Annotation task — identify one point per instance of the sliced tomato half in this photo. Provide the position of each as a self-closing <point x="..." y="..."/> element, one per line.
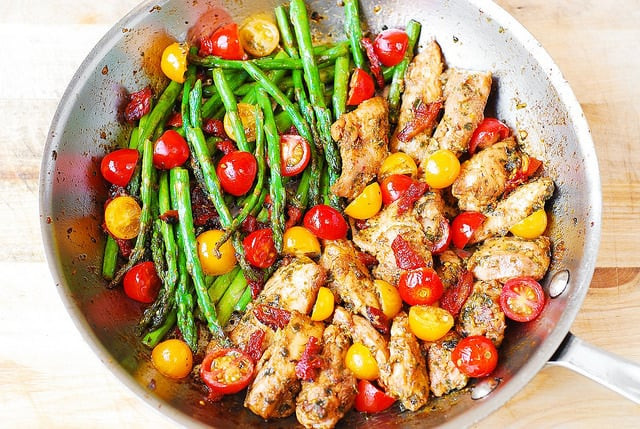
<point x="295" y="154"/>
<point x="227" y="371"/>
<point x="522" y="299"/>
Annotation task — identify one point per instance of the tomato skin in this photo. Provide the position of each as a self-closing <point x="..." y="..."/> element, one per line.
<point x="441" y="169"/>
<point x="174" y="62"/>
<point x="367" y="204"/>
<point x="295" y="154"/>
<point x="172" y="358"/>
<point x="259" y="248"/>
<point x="122" y="217"/>
<point x="361" y="362"/>
<point x="118" y="166"/>
<point x="463" y="227"/>
<point x="533" y="226"/>
<point x="233" y="362"/>
<point x="323" y="308"/>
<point x="475" y="356"/>
<point x="170" y="150"/>
<point x="370" y="399"/>
<point x="421" y="286"/>
<point x="390" y="299"/>
<point x="392" y="187"/>
<point x="224" y="43"/>
<point x="390" y="46"/>
<point x="326" y="222"/>
<point x="236" y="171"/>
<point x="141" y="283"/>
<point x="429" y="323"/>
<point x="489" y="131"/>
<point x="361" y="87"/>
<point x="522" y="299"/>
<point x="259" y="36"/>
<point x="298" y="240"/>
<point x="398" y="163"/>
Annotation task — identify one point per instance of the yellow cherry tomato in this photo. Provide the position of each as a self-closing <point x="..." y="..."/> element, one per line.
<point x="389" y="298"/>
<point x="323" y="307"/>
<point x="122" y="217"/>
<point x="246" y="113"/>
<point x="259" y="35"/>
<point x="172" y="358"/>
<point x="299" y="241"/>
<point x="441" y="169"/>
<point x="429" y="323"/>
<point x="361" y="363"/>
<point x="398" y="163"/>
<point x="174" y="61"/>
<point x="211" y="264"/>
<point x="532" y="226"/>
<point x="367" y="204"/>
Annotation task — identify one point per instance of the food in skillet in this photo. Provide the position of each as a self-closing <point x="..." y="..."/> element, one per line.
<point x="330" y="226"/>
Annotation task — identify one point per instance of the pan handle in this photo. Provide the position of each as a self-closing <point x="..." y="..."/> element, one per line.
<point x="616" y="373"/>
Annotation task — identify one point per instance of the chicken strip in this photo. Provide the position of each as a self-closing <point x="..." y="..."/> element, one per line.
<point x="429" y="211"/>
<point x="363" y="136"/>
<point x="449" y="268"/>
<point x="502" y="258"/>
<point x="273" y="392"/>
<point x="407" y="380"/>
<point x="444" y="375"/>
<point x="324" y="401"/>
<point x="481" y="313"/>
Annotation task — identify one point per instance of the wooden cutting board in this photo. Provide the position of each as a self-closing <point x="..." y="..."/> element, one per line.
<point x="51" y="378"/>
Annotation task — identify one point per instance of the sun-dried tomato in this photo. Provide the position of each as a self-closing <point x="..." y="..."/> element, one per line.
<point x="454" y="298"/>
<point x="424" y="116"/>
<point x="256" y="287"/>
<point x="310" y="361"/>
<point x="273" y="317"/>
<point x="294" y="215"/>
<point x="203" y="209"/>
<point x="175" y="120"/>
<point x="293" y="130"/>
<point x="406" y="257"/>
<point x="226" y="146"/>
<point x="249" y="225"/>
<point x="374" y="62"/>
<point x="214" y="127"/>
<point x="367" y="259"/>
<point x="411" y="195"/>
<point x="361" y="224"/>
<point x="139" y="104"/>
<point x="522" y="175"/>
<point x="126" y="247"/>
<point x="378" y="320"/>
<point x="170" y="216"/>
<point x="253" y="348"/>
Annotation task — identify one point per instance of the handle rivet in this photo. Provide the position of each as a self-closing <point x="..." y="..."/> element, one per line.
<point x="558" y="283"/>
<point x="484" y="387"/>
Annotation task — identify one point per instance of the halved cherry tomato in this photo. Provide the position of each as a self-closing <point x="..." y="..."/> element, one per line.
<point x="463" y="227"/>
<point x="437" y="247"/>
<point x="211" y="264"/>
<point x="174" y="62"/>
<point x="361" y="362"/>
<point x="429" y="323"/>
<point x="489" y="131"/>
<point x="246" y="112"/>
<point x="259" y="248"/>
<point x="172" y="358"/>
<point x="441" y="169"/>
<point x="390" y="46"/>
<point x="421" y="286"/>
<point x="398" y="163"/>
<point x="259" y="35"/>
<point x="522" y="299"/>
<point x="122" y="217"/>
<point x="475" y="356"/>
<point x="295" y="154"/>
<point x="298" y="240"/>
<point x="392" y="187"/>
<point x="528" y="167"/>
<point x="236" y="172"/>
<point x="532" y="226"/>
<point x="370" y="399"/>
<point x="142" y="283"/>
<point x="326" y="222"/>
<point x="367" y="204"/>
<point x="390" y="299"/>
<point x="227" y="371"/>
<point x="170" y="150"/>
<point x="454" y="298"/>
<point x="224" y="42"/>
<point x="323" y="308"/>
<point x="118" y="166"/>
<point x="361" y="87"/>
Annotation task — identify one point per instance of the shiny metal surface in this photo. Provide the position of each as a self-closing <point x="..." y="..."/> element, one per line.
<point x="529" y="93"/>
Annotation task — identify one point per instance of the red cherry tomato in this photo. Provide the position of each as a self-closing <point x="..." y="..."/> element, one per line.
<point x="259" y="248"/>
<point x="361" y="87"/>
<point x="489" y="131"/>
<point x="142" y="283"/>
<point x="390" y="46"/>
<point x="475" y="356"/>
<point x="227" y="371"/>
<point x="454" y="298"/>
<point x="421" y="286"/>
<point x="118" y="166"/>
<point x="370" y="399"/>
<point x="170" y="150"/>
<point x="463" y="227"/>
<point x="224" y="42"/>
<point x="295" y="154"/>
<point x="522" y="299"/>
<point x="393" y="187"/>
<point x="236" y="172"/>
<point x="326" y="222"/>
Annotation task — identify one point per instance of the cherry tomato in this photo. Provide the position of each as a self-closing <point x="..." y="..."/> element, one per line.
<point x="118" y="166"/>
<point x="259" y="35"/>
<point x="522" y="299"/>
<point x="298" y="240"/>
<point x="421" y="286"/>
<point x="367" y="204"/>
<point x="295" y="154"/>
<point x="392" y="187"/>
<point x="236" y="172"/>
<point x="429" y="323"/>
<point x="463" y="227"/>
<point x="370" y="399"/>
<point x="398" y="163"/>
<point x="441" y="169"/>
<point x="122" y="217"/>
<point x="390" y="299"/>
<point x="323" y="308"/>
<point x="142" y="283"/>
<point x="172" y="358"/>
<point x="174" y="62"/>
<point x="390" y="46"/>
<point x="532" y="226"/>
<point x="361" y="87"/>
<point x="211" y="264"/>
<point x="489" y="131"/>
<point x="246" y="112"/>
<point x="361" y="362"/>
<point x="224" y="43"/>
<point x="326" y="222"/>
<point x="475" y="356"/>
<point x="227" y="371"/>
<point x="259" y="248"/>
<point x="170" y="150"/>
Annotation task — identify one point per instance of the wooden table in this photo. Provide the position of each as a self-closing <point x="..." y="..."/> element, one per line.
<point x="49" y="377"/>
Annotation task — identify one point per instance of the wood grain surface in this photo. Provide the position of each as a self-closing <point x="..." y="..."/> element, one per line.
<point x="49" y="376"/>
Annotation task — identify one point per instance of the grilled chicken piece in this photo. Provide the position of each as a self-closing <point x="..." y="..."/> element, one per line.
<point x="450" y="268"/>
<point x="324" y="401"/>
<point x="502" y="258"/>
<point x="407" y="380"/>
<point x="483" y="178"/>
<point x="465" y="95"/>
<point x="429" y="211"/>
<point x="363" y="136"/>
<point x="422" y="84"/>
<point x="519" y="204"/>
<point x="444" y="375"/>
<point x="273" y="392"/>
<point x="481" y="313"/>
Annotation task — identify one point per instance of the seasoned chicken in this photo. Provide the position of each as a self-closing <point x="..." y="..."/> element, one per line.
<point x="429" y="211"/>
<point x="444" y="375"/>
<point x="273" y="392"/>
<point x="422" y="85"/>
<point x="449" y="268"/>
<point x="483" y="177"/>
<point x="502" y="258"/>
<point x="407" y="381"/>
<point x="519" y="204"/>
<point x="324" y="401"/>
<point x="481" y="313"/>
<point x="363" y="136"/>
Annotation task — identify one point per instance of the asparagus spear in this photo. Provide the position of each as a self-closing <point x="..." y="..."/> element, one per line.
<point x="230" y="298"/>
<point x="221" y="284"/>
<point x="397" y="84"/>
<point x="154" y="337"/>
<point x="211" y="106"/>
<point x="231" y="107"/>
<point x="340" y="86"/>
<point x="354" y="31"/>
<point x="183" y="294"/>
<point x="110" y="258"/>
